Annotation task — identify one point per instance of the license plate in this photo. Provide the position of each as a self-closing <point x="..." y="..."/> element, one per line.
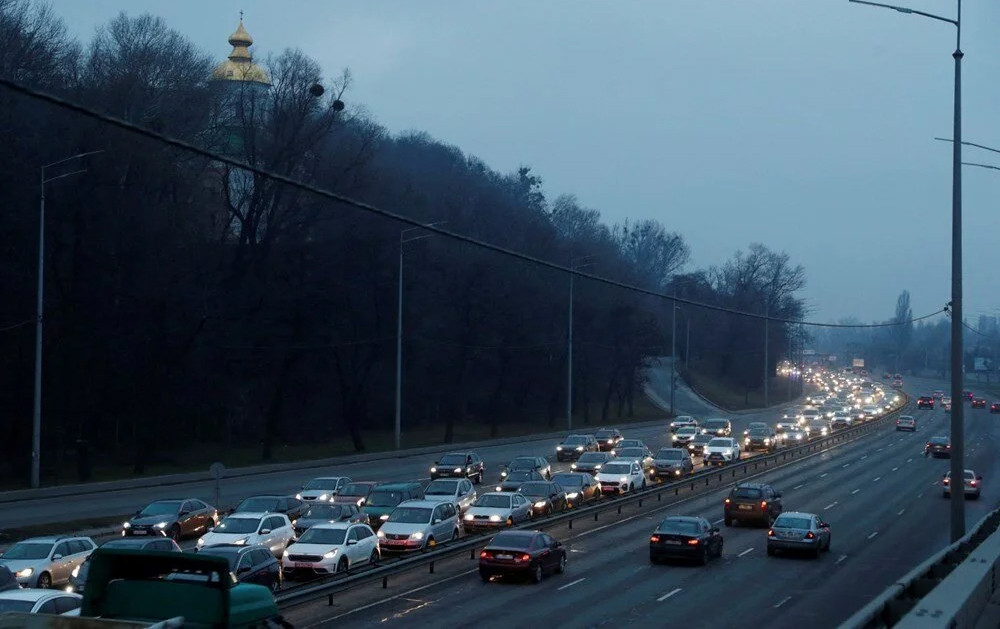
<point x="299" y="564"/>
<point x="505" y="556"/>
<point x="139" y="532"/>
<point x="395" y="542"/>
<point x="673" y="542"/>
<point x="746" y="507"/>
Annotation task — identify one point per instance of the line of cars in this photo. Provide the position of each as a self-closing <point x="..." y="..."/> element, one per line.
<point x="928" y="402"/>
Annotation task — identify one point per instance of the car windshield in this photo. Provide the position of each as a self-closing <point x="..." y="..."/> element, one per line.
<point x="939" y="440"/>
<point x="125" y="543"/>
<point x="632" y="453"/>
<point x="617" y="468"/>
<point x="605" y="434"/>
<point x="575" y="441"/>
<point x="688" y="430"/>
<point x="7" y="605"/>
<point x="332" y="537"/>
<point x="746" y="492"/>
<point x="969" y="475"/>
<point x="258" y="505"/>
<point x="225" y="553"/>
<point x="493" y="501"/>
<point x="680" y="527"/>
<point x="720" y="443"/>
<point x="791" y="522"/>
<point x="167" y="507"/>
<point x="351" y="490"/>
<point x="703" y="438"/>
<point x="715" y="424"/>
<point x="568" y="480"/>
<point x="511" y="540"/>
<point x="593" y="457"/>
<point x="670" y="454"/>
<point x="324" y="512"/>
<point x="760" y="432"/>
<point x="522" y="464"/>
<point x="452" y="459"/>
<point x="238" y="526"/>
<point x="521" y="475"/>
<point x="410" y="515"/>
<point x="381" y="498"/>
<point x="535" y="489"/>
<point x="320" y="483"/>
<point x="28" y="550"/>
<point x="442" y="488"/>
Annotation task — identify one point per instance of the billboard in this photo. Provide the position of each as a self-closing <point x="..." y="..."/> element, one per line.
<point x="858" y="362"/>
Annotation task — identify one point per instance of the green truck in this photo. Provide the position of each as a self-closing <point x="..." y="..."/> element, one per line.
<point x="129" y="589"/>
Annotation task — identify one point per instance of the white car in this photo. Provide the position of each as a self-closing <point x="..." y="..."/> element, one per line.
<point x="458" y="491"/>
<point x="39" y="601"/>
<point x="620" y="477"/>
<point x="419" y="525"/>
<point x="871" y="411"/>
<point x="331" y="548"/>
<point x="721" y="451"/>
<point x="684" y="435"/>
<point x="972" y="484"/>
<point x="495" y="510"/>
<point x="683" y="421"/>
<point x="323" y="488"/>
<point x="273" y="530"/>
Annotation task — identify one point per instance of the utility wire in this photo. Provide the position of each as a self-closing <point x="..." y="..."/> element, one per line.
<point x="14" y="326"/>
<point x="371" y="209"/>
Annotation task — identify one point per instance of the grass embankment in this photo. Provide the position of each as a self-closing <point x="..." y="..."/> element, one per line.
<point x="733" y="398"/>
<point x="199" y="456"/>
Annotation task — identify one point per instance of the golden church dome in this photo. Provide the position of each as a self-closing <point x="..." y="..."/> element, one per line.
<point x="240" y="65"/>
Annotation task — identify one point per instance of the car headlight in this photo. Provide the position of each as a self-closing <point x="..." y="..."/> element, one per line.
<point x="76" y="571"/>
<point x="624" y="479"/>
<point x="579" y="448"/>
<point x="433" y="469"/>
<point x="572" y="466"/>
<point x="162" y="525"/>
<point x="126" y="525"/>
<point x="417" y="535"/>
<point x="747" y="441"/>
<point x="468" y="517"/>
<point x="503" y="474"/>
<point x="298" y="496"/>
<point x="767" y="441"/>
<point x="361" y="501"/>
<point x="495" y="518"/>
<point x="240" y="542"/>
<point x="323" y="496"/>
<point x="200" y="542"/>
<point x="598" y="466"/>
<point x="285" y="554"/>
<point x="499" y="488"/>
<point x="674" y="437"/>
<point x="677" y="472"/>
<point x="573" y="495"/>
<point x="380" y="534"/>
<point x="384" y="517"/>
<point x="330" y="555"/>
<point x="558" y="448"/>
<point x="458" y="470"/>
<point x="27" y="572"/>
<point x="540" y="504"/>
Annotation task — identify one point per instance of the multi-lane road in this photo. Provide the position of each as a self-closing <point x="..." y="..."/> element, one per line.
<point x="881" y="496"/>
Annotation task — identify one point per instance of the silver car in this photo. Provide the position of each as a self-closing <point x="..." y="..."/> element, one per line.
<point x="41" y="562"/>
<point x="799" y="531"/>
<point x="458" y="491"/>
<point x="419" y="525"/>
<point x="671" y="463"/>
<point x="497" y="510"/>
<point x="39" y="602"/>
<point x="322" y="489"/>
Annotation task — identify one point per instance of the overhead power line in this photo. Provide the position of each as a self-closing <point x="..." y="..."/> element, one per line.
<point x="14" y="326"/>
<point x="184" y="145"/>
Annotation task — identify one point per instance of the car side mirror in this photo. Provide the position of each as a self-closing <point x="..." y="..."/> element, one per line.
<point x="57" y="556"/>
<point x="265" y="531"/>
<point x="556" y="544"/>
<point x="352" y="542"/>
<point x="824" y="526"/>
<point x="979" y="477"/>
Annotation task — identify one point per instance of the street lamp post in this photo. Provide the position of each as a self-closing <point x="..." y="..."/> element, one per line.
<point x="36" y="419"/>
<point x="399" y="329"/>
<point x="957" y="411"/>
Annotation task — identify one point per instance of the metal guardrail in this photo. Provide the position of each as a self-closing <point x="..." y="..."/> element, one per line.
<point x="916" y="595"/>
<point x="329" y="586"/>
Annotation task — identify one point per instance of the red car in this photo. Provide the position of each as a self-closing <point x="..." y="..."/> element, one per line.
<point x="979" y="403"/>
<point x="995" y="407"/>
<point x="925" y="401"/>
<point x="968" y="395"/>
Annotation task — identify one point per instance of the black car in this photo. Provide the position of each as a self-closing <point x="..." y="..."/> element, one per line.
<point x="321" y="513"/>
<point x="289" y="505"/>
<point x="521" y="553"/>
<point x="995" y="407"/>
<point x="938" y="447"/>
<point x="608" y="439"/>
<point x="527" y="463"/>
<point x="570" y="448"/>
<point x="579" y="487"/>
<point x="249" y="564"/>
<point x="925" y="401"/>
<point x="8" y="580"/>
<point x="685" y="537"/>
<point x="459" y="465"/>
<point x="172" y="518"/>
<point x="545" y="497"/>
<point x="697" y="445"/>
<point x="763" y="439"/>
<point x="752" y="502"/>
<point x="513" y="480"/>
<point x="979" y="402"/>
<point x="78" y="578"/>
<point x="592" y="462"/>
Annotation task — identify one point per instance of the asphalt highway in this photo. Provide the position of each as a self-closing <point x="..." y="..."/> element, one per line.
<point x="881" y="496"/>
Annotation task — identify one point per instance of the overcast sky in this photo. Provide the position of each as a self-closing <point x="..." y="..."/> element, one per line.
<point x="806" y="125"/>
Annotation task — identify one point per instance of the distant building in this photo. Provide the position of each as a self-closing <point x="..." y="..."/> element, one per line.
<point x="987" y="325"/>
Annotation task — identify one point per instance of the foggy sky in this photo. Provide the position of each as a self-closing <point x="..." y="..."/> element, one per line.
<point x="806" y="125"/>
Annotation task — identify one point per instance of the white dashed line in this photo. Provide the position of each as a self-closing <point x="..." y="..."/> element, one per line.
<point x="799" y="486"/>
<point x="855" y="491"/>
<point x="901" y="512"/>
<point x="840" y="560"/>
<point x="719" y="521"/>
<point x="668" y="595"/>
<point x="745" y="552"/>
<point x="864" y="457"/>
<point x="894" y="469"/>
<point x="908" y="460"/>
<point x="572" y="583"/>
<point x="783" y="601"/>
<point x="830" y="506"/>
<point x="876" y="479"/>
<point x="879" y="450"/>
<point x="823" y="474"/>
<point x="846" y="465"/>
<point x="873" y="535"/>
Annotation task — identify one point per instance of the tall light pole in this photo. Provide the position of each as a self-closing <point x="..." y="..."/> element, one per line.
<point x="399" y="329"/>
<point x="36" y="419"/>
<point x="575" y="263"/>
<point x="957" y="411"/>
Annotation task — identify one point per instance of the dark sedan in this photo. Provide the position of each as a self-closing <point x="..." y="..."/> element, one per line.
<point x="573" y="446"/>
<point x="995" y="407"/>
<point x="78" y="578"/>
<point x="608" y="439"/>
<point x="685" y="537"/>
<point x="8" y="580"/>
<point x="697" y="445"/>
<point x="545" y="497"/>
<point x="580" y="488"/>
<point x="513" y="480"/>
<point x="925" y="401"/>
<point x="459" y="465"/>
<point x="325" y="513"/>
<point x="355" y="493"/>
<point x="938" y="447"/>
<point x="172" y="518"/>
<point x="531" y="463"/>
<point x="979" y="402"/>
<point x="522" y="553"/>
<point x="592" y="462"/>
<point x="289" y="505"/>
<point x="249" y="564"/>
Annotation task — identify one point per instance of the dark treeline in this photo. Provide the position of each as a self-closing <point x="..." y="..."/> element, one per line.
<point x="188" y="302"/>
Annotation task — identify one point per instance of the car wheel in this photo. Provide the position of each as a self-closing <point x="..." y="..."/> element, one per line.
<point x="631" y="487"/>
<point x="643" y="483"/>
<point x="718" y="553"/>
<point x="562" y="565"/>
<point x="342" y="565"/>
<point x="510" y="521"/>
<point x="703" y="558"/>
<point x="456" y="534"/>
<point x="44" y="581"/>
<point x="817" y="550"/>
<point x="728" y="521"/>
<point x="770" y="551"/>
<point x="479" y="478"/>
<point x="947" y="494"/>
<point x="829" y="540"/>
<point x="429" y="544"/>
<point x="175" y="533"/>
<point x="485" y="576"/>
<point x="373" y="560"/>
<point x="276" y="585"/>
<point x="536" y="574"/>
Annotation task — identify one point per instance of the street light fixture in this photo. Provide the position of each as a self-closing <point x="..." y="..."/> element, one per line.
<point x="36" y="419"/>
<point x="957" y="411"/>
<point x="399" y="326"/>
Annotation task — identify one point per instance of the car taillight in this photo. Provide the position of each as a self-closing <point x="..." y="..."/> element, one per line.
<point x="727" y="501"/>
<point x="972" y="483"/>
<point x="763" y="504"/>
<point x="810" y="535"/>
<point x="946" y="481"/>
<point x="770" y="532"/>
<point x="692" y="542"/>
<point x="485" y="554"/>
<point x="523" y="557"/>
<point x="655" y="539"/>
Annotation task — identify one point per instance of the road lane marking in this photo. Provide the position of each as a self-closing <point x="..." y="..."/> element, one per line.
<point x="783" y="601"/>
<point x="873" y="535"/>
<point x="879" y="450"/>
<point x="846" y="465"/>
<point x="908" y="460"/>
<point x="572" y="583"/>
<point x="894" y="469"/>
<point x="901" y="512"/>
<point x="830" y="506"/>
<point x="920" y="495"/>
<point x="855" y="491"/>
<point x="799" y="486"/>
<point x="668" y="595"/>
<point x="719" y="521"/>
<point x="823" y="474"/>
<point x="876" y="479"/>
<point x="864" y="457"/>
<point x="745" y="552"/>
<point x="839" y="560"/>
